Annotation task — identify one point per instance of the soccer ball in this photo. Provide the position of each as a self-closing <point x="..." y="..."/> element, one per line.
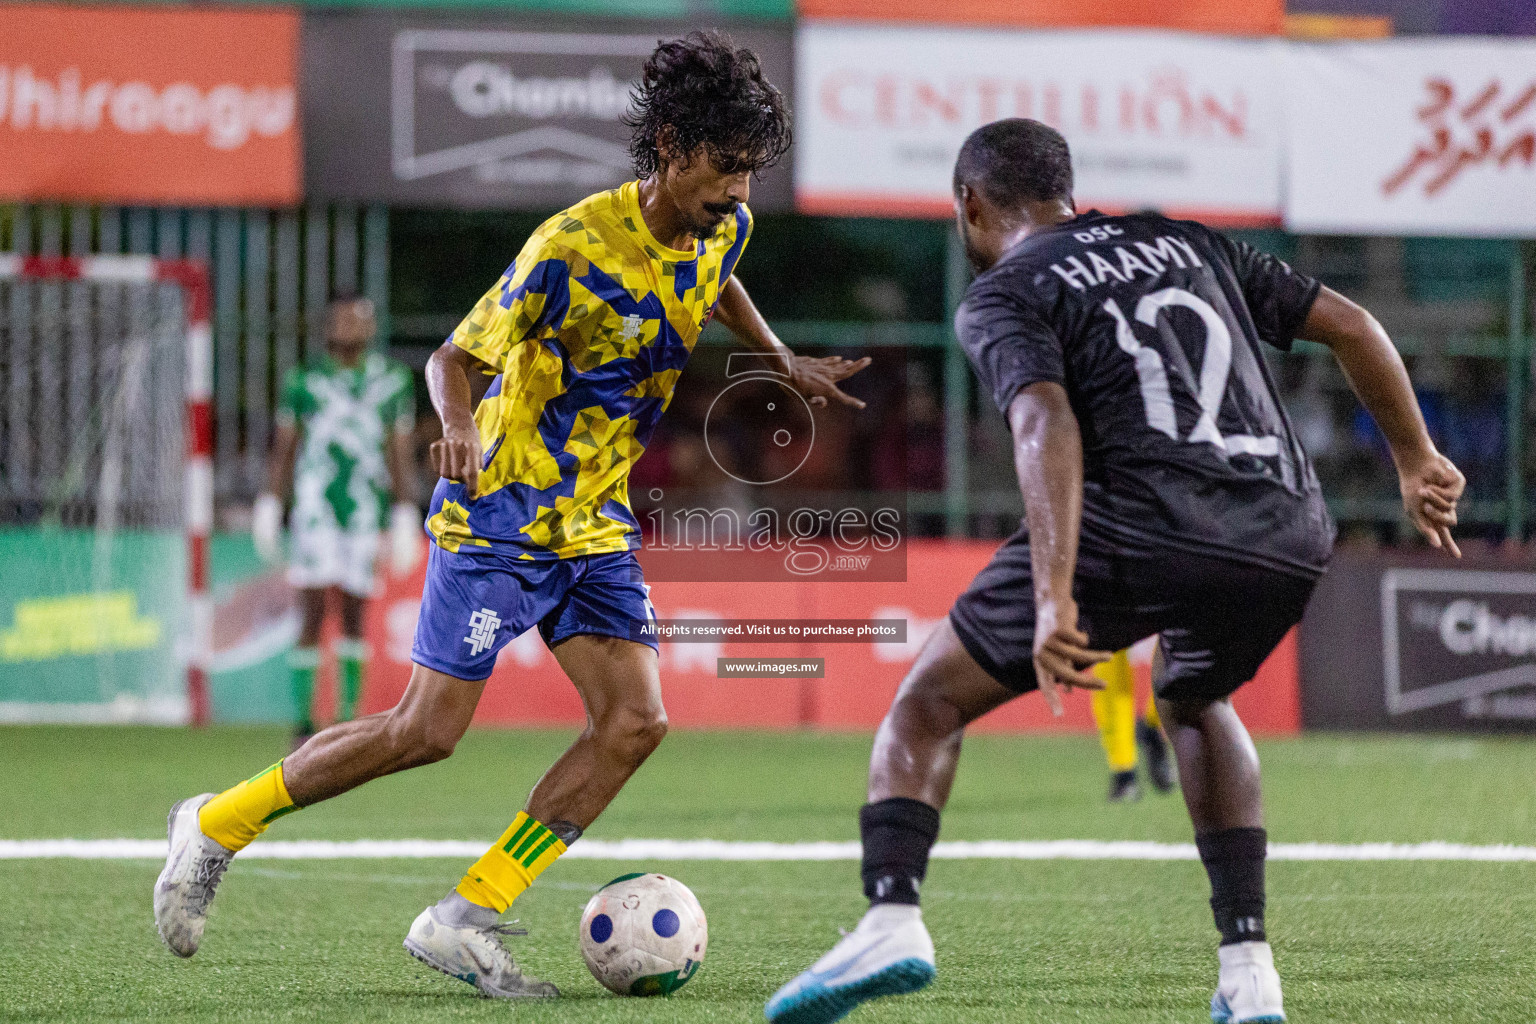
<point x="643" y="935"/>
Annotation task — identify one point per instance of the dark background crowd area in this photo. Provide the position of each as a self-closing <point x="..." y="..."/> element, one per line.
<point x="878" y="287"/>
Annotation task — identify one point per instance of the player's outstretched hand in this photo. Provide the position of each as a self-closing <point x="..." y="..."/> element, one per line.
<point x="456" y="456"/>
<point x="817" y="378"/>
<point x="1431" y="489"/>
<point x="1062" y="654"/>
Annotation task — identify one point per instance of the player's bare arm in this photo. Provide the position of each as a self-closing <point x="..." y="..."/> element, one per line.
<point x="456" y="455"/>
<point x="1048" y="454"/>
<point x="1430" y="484"/>
<point x="285" y="447"/>
<point x="817" y="378"/>
<point x="399" y="455"/>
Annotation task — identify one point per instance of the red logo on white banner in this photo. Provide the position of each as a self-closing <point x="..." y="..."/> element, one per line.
<point x="1496" y="128"/>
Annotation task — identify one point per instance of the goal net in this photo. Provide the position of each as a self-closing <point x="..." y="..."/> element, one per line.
<point x="105" y="490"/>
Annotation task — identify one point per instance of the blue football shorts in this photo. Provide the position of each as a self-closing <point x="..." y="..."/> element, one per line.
<point x="474" y="605"/>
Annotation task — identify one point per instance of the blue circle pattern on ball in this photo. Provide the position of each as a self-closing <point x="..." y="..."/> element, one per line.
<point x="602" y="928"/>
<point x="665" y="922"/>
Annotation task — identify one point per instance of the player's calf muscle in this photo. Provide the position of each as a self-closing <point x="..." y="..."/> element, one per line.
<point x="591" y="772"/>
<point x="918" y="744"/>
<point x="621" y="740"/>
<point x="425" y="726"/>
<point x="918" y="766"/>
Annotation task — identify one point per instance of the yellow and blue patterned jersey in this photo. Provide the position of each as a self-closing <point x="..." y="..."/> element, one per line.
<point x="588" y="331"/>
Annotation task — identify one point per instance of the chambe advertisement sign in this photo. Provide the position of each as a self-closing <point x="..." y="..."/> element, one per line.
<point x="1396" y="640"/>
<point x="1461" y="643"/>
<point x="485" y="113"/>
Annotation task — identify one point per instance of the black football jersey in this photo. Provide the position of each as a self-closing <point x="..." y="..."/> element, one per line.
<point x="1153" y="327"/>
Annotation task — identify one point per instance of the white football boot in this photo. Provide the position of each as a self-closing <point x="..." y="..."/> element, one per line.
<point x="191" y="874"/>
<point x="475" y="956"/>
<point x="1248" y="989"/>
<point x="889" y="953"/>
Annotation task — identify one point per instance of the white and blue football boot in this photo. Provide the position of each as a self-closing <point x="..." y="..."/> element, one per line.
<point x="889" y="953"/>
<point x="1248" y="988"/>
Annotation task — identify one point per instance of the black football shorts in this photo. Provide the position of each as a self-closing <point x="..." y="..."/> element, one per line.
<point x="1218" y="618"/>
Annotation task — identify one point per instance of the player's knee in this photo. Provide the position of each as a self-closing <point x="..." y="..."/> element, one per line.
<point x="433" y="745"/>
<point x="418" y="739"/>
<point x="1188" y="714"/>
<point x="927" y="708"/>
<point x="633" y="732"/>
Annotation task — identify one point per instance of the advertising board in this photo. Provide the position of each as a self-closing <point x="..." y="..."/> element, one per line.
<point x="473" y="113"/>
<point x="1186" y="124"/>
<point x="1394" y="641"/>
<point x="149" y="105"/>
<point x="1412" y="136"/>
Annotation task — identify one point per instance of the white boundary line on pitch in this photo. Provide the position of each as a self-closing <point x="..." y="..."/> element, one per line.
<point x="723" y="850"/>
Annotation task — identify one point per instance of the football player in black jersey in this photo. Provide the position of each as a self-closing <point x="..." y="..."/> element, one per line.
<point x="1165" y="492"/>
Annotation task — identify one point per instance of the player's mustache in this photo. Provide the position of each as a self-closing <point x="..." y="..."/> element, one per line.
<point x="721" y="209"/>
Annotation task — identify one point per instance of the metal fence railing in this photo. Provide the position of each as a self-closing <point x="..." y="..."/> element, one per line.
<point x="272" y="271"/>
<point x="1458" y="310"/>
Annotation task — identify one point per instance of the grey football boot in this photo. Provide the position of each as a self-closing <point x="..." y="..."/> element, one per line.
<point x="192" y="872"/>
<point x="474" y="955"/>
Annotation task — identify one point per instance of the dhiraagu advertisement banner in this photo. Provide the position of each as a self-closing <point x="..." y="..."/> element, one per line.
<point x="90" y="626"/>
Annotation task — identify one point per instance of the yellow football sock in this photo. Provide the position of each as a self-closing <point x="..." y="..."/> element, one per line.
<point x="1114" y="708"/>
<point x="522" y="853"/>
<point x="236" y="816"/>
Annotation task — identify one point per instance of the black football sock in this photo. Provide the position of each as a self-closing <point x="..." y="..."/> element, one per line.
<point x="897" y="834"/>
<point x="1234" y="860"/>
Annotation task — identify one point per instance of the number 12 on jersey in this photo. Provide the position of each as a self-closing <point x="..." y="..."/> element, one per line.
<point x="1215" y="369"/>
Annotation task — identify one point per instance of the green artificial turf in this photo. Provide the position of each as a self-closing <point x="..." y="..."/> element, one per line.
<point x="1375" y="943"/>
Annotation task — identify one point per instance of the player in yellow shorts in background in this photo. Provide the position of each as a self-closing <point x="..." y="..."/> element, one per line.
<point x="1121" y="732"/>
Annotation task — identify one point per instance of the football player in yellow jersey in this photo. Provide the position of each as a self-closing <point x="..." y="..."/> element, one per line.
<point x="1122" y="732"/>
<point x="583" y="339"/>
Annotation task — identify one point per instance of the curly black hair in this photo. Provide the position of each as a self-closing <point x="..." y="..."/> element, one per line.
<point x="704" y="90"/>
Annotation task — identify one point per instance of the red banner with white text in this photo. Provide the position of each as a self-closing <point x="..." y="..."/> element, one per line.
<point x="149" y="105"/>
<point x="528" y="688"/>
<point x="1231" y="17"/>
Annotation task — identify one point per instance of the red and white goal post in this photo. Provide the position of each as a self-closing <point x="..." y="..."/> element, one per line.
<point x="196" y="518"/>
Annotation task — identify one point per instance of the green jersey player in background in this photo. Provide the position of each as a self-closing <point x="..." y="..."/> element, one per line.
<point x="349" y="419"/>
